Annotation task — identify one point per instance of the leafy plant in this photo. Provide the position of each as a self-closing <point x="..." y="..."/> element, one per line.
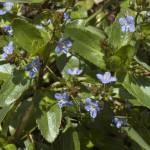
<point x="74" y="75"/>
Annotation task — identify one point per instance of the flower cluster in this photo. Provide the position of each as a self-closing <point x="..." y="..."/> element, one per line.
<point x="63" y="45"/>
<point x="74" y="71"/>
<point x="92" y="107"/>
<point x="33" y="68"/>
<point x="63" y="99"/>
<point x="106" y="78"/>
<point x="7" y="50"/>
<point x="119" y="122"/>
<point x="7" y="6"/>
<point x="127" y="24"/>
<point x="66" y="17"/>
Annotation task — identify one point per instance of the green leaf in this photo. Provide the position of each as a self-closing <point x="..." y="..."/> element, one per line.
<point x="14" y="85"/>
<point x="125" y="52"/>
<point x="10" y="147"/>
<point x="29" y="145"/>
<point x="68" y="141"/>
<point x="114" y="63"/>
<point x="29" y="37"/>
<point x="25" y="1"/>
<point x="137" y="138"/>
<point x="86" y="42"/>
<point x="49" y="123"/>
<point x="80" y="13"/>
<point x="4" y="111"/>
<point x="88" y="4"/>
<point x="122" y="57"/>
<point x="48" y="119"/>
<point x="145" y="29"/>
<point x="142" y="63"/>
<point x="138" y="87"/>
<point x="73" y="143"/>
<point x="24" y="117"/>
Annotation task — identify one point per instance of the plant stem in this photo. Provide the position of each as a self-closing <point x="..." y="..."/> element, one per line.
<point x="93" y="15"/>
<point x="52" y="73"/>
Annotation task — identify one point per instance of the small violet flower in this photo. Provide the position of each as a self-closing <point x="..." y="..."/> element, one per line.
<point x="127" y="24"/>
<point x="119" y="122"/>
<point x="8" y="29"/>
<point x="8" y="50"/>
<point x="106" y="78"/>
<point x="66" y="17"/>
<point x="33" y="68"/>
<point x="39" y="26"/>
<point x="74" y="71"/>
<point x="2" y="12"/>
<point x="63" y="99"/>
<point x="92" y="107"/>
<point x="63" y="45"/>
<point x="7" y="6"/>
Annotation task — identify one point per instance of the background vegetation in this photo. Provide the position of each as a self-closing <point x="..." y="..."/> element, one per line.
<point x="74" y="75"/>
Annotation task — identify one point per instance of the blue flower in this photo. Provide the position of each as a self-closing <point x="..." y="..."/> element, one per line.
<point x="39" y="26"/>
<point x="33" y="68"/>
<point x="2" y="12"/>
<point x="63" y="99"/>
<point x="8" y="29"/>
<point x="106" y="77"/>
<point x="148" y="13"/>
<point x="119" y="122"/>
<point x="8" y="50"/>
<point x="127" y="24"/>
<point x="92" y="107"/>
<point x="66" y="17"/>
<point x="74" y="71"/>
<point x="63" y="45"/>
<point x="7" y="6"/>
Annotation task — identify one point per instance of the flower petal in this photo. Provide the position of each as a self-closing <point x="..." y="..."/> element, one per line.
<point x="113" y="79"/>
<point x="87" y="107"/>
<point x="88" y="100"/>
<point x="130" y="19"/>
<point x="4" y="55"/>
<point x="69" y="71"/>
<point x="2" y="12"/>
<point x="65" y="96"/>
<point x="132" y="28"/>
<point x="122" y="21"/>
<point x="93" y="113"/>
<point x="58" y="49"/>
<point x="99" y="76"/>
<point x="8" y="5"/>
<point x="124" y="28"/>
<point x="58" y="96"/>
<point x="32" y="74"/>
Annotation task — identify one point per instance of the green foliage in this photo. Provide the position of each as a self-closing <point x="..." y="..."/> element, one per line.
<point x="28" y="37"/>
<point x="139" y="88"/>
<point x="48" y="119"/>
<point x="86" y="42"/>
<point x="137" y="138"/>
<point x="74" y="75"/>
